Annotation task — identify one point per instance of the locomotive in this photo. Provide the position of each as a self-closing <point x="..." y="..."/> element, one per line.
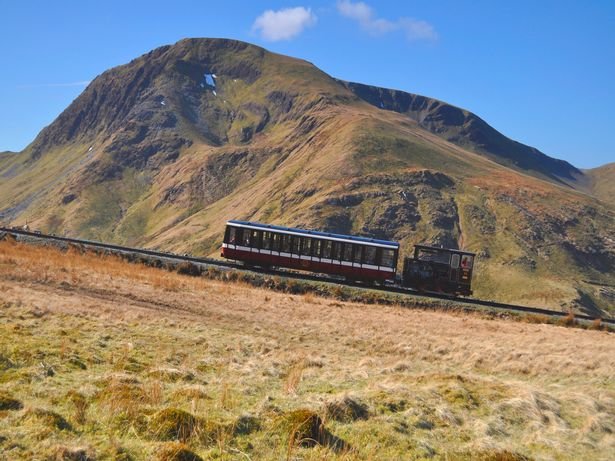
<point x="430" y="269"/>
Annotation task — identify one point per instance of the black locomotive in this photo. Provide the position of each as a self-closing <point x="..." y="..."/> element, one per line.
<point x="440" y="270"/>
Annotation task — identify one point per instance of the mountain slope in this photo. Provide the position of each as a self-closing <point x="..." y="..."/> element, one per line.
<point x="601" y="182"/>
<point x="465" y="129"/>
<point x="161" y="151"/>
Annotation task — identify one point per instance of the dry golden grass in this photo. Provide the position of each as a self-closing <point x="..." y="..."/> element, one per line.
<point x="98" y="350"/>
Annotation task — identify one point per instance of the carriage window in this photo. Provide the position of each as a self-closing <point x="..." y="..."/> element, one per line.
<point x="347" y="252"/>
<point x="256" y="238"/>
<point x="275" y="242"/>
<point x="326" y="249"/>
<point x="295" y="245"/>
<point x="388" y="258"/>
<point x="358" y="253"/>
<point x="266" y="240"/>
<point x="370" y="255"/>
<point x="230" y="234"/>
<point x="316" y="246"/>
<point x="305" y="245"/>
<point x="285" y="243"/>
<point x="337" y="251"/>
<point x="245" y="238"/>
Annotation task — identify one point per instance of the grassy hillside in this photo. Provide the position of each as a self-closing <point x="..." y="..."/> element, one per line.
<point x="101" y="359"/>
<point x="602" y="182"/>
<point x="160" y="152"/>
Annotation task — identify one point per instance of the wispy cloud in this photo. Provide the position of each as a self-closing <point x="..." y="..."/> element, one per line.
<point x="361" y="12"/>
<point x="284" y="24"/>
<point x="55" y="85"/>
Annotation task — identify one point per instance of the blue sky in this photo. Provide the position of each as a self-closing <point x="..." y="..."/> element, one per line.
<point x="541" y="72"/>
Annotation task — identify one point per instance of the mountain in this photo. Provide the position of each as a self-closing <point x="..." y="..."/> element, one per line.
<point x="160" y="152"/>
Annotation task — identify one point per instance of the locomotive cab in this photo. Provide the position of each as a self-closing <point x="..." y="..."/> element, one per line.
<point x="439" y="270"/>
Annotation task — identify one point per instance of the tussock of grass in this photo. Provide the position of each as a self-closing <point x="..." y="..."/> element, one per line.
<point x="80" y="404"/>
<point x="387" y="403"/>
<point x="173" y="424"/>
<point x="303" y="427"/>
<point x="74" y="454"/>
<point x="346" y="409"/>
<point x="171" y="374"/>
<point x="5" y="363"/>
<point x="176" y="452"/>
<point x="7" y="402"/>
<point x="48" y="418"/>
<point x="179" y="425"/>
<point x="192" y="391"/>
<point x="497" y="455"/>
<point x="123" y="398"/>
<point x="188" y="268"/>
<point x="247" y="424"/>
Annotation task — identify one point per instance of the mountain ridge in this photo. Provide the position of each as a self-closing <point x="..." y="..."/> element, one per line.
<point x="464" y="128"/>
<point x="161" y="151"/>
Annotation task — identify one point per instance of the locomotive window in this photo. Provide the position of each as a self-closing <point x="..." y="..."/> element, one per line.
<point x="370" y="255"/>
<point x="275" y="242"/>
<point x="388" y="257"/>
<point x="256" y="238"/>
<point x="436" y="256"/>
<point x="266" y="240"/>
<point x="326" y="249"/>
<point x="466" y="262"/>
<point x="285" y="243"/>
<point x="347" y="252"/>
<point x="358" y="253"/>
<point x="295" y="245"/>
<point x="455" y="261"/>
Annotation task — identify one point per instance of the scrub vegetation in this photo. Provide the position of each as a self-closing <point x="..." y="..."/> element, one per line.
<point x="104" y="359"/>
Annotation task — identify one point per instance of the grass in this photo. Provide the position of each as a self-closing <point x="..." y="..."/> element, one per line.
<point x="112" y="360"/>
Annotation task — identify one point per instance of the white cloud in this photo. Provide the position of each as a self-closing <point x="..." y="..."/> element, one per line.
<point x="284" y="24"/>
<point x="365" y="16"/>
<point x="418" y="30"/>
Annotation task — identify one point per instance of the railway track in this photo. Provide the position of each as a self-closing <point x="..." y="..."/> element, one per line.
<point x="210" y="262"/>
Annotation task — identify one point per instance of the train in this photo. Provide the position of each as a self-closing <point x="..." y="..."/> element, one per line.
<point x="361" y="259"/>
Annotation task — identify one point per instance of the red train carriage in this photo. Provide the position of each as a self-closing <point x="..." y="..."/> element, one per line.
<point x="356" y="258"/>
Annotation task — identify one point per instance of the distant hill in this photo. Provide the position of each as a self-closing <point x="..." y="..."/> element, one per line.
<point x="601" y="182"/>
<point x="161" y="151"/>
